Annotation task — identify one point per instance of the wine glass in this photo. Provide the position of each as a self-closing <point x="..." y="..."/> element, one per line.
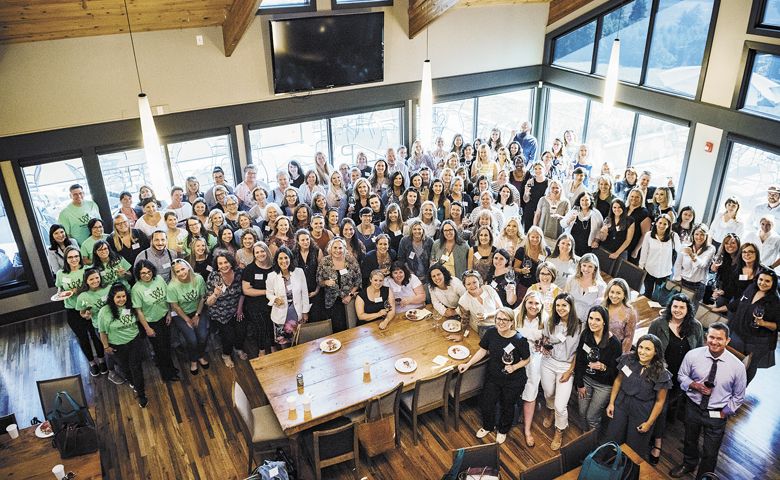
<point x="718" y="261"/>
<point x="527" y="263"/>
<point x="547" y="345"/>
<point x="758" y="314"/>
<point x="685" y="239"/>
<point x="593" y="356"/>
<point x="510" y="276"/>
<point x="507" y="359"/>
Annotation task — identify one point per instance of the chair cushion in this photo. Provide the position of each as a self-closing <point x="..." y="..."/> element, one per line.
<point x="406" y="400"/>
<point x="266" y="426"/>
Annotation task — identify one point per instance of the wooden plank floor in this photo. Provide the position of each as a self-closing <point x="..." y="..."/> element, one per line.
<point x="190" y="431"/>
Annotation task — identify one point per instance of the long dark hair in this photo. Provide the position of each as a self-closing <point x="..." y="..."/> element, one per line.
<point x="286" y="251"/>
<point x="357" y="245"/>
<point x="115" y="288"/>
<point x="690" y="316"/>
<point x="657" y="364"/>
<point x="654" y="229"/>
<point x="588" y="333"/>
<point x="113" y="257"/>
<point x="87" y="272"/>
<point x="492" y="270"/>
<point x="445" y="273"/>
<point x="573" y="323"/>
<point x="53" y="243"/>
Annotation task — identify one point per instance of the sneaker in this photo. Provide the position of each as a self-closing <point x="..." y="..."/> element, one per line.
<point x="103" y="368"/>
<point x="501" y="437"/>
<point x="94" y="370"/>
<point x="482" y="433"/>
<point x="115" y="378"/>
<point x="143" y="401"/>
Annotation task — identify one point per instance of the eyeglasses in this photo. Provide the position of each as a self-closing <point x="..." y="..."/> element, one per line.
<point x="748" y="252"/>
<point x="503" y="320"/>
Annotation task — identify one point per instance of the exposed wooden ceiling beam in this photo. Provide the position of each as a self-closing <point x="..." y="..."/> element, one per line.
<point x="423" y="12"/>
<point x="561" y="8"/>
<point x="238" y="19"/>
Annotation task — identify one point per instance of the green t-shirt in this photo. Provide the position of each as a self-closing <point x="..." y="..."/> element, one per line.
<point x="211" y="242"/>
<point x="110" y="274"/>
<point x="88" y="244"/>
<point x="69" y="281"/>
<point x="75" y="219"/>
<point x="187" y="295"/>
<point x="151" y="298"/>
<point x="93" y="301"/>
<point x="119" y="330"/>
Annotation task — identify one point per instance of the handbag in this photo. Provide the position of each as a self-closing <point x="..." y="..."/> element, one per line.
<point x="608" y="462"/>
<point x="479" y="473"/>
<point x="270" y="470"/>
<point x="377" y="435"/>
<point x="664" y="292"/>
<point x="74" y="431"/>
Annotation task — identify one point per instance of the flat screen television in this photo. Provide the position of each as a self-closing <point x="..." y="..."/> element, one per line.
<point x="315" y="53"/>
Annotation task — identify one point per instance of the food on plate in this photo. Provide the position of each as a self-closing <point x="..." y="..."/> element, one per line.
<point x="331" y="345"/>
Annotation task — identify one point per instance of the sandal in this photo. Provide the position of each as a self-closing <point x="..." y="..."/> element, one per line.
<point x="242" y="354"/>
<point x="203" y="363"/>
<point x="228" y="361"/>
<point x="548" y="420"/>
<point x="652" y="459"/>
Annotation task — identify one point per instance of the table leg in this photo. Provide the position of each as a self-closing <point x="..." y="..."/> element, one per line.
<point x="295" y="449"/>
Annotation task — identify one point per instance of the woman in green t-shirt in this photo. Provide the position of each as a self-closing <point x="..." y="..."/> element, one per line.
<point x="95" y="226"/>
<point x="68" y="281"/>
<point x="149" y="296"/>
<point x="118" y="327"/>
<point x="186" y="294"/>
<point x="112" y="267"/>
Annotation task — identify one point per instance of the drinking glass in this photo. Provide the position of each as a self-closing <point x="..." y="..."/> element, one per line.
<point x="507" y="359"/>
<point x="758" y="314"/>
<point x="593" y="356"/>
<point x="510" y="276"/>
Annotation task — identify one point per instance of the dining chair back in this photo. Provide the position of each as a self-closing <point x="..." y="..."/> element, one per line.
<point x="546" y="470"/>
<point x="745" y="359"/>
<point x="9" y="419"/>
<point x="574" y="452"/>
<point x="428" y="394"/>
<point x="307" y="332"/>
<point x="632" y="274"/>
<point x="261" y="431"/>
<point x="335" y="445"/>
<point x="389" y="404"/>
<point x="707" y="317"/>
<point x="466" y="385"/>
<point x="606" y="265"/>
<point x="48" y="389"/>
<point x="480" y="456"/>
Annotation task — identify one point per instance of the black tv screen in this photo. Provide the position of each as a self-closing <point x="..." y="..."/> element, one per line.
<point x="324" y="52"/>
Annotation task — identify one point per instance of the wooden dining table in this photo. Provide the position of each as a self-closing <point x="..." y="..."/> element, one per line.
<point x="29" y="457"/>
<point x="646" y="471"/>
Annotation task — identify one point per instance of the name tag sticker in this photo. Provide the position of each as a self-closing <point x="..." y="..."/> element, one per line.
<point x="273" y="472"/>
<point x="378" y="300"/>
<point x="494" y="284"/>
<point x="586" y="348"/>
<point x="477" y="256"/>
<point x="343" y="271"/>
<point x="626" y="371"/>
<point x="411" y="255"/>
<point x="125" y="311"/>
<point x="444" y="258"/>
<point x="136" y="246"/>
<point x="714" y="414"/>
<point x="166" y="265"/>
<point x="509" y="348"/>
<point x="593" y="289"/>
<point x="258" y="276"/>
<point x="209" y="268"/>
<point x="396" y="232"/>
<point x="743" y="277"/>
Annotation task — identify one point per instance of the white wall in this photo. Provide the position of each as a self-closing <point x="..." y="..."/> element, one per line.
<point x="60" y="83"/>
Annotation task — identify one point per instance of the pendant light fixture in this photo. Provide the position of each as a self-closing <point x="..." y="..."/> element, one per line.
<point x="158" y="173"/>
<point x="426" y="100"/>
<point x="613" y="68"/>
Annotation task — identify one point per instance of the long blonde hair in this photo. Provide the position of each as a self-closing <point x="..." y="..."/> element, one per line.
<point x="523" y="313"/>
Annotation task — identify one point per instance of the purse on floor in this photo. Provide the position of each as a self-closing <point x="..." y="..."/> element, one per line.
<point x="608" y="462"/>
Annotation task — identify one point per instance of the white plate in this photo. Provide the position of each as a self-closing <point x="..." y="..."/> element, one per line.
<point x="330" y="345"/>
<point x="39" y="433"/>
<point x="421" y="314"/>
<point x="60" y="296"/>
<point x="405" y="365"/>
<point x="452" y="326"/>
<point x="458" y="352"/>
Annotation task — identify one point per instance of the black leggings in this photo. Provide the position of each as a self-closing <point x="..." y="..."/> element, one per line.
<point x="84" y="331"/>
<point x="129" y="356"/>
<point x="338" y="316"/>
<point x="232" y="334"/>
<point x="161" y="344"/>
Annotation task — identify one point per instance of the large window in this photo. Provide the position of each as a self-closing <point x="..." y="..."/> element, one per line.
<point x="371" y="133"/>
<point x="450" y="118"/>
<point x="48" y="185"/>
<point x="505" y="111"/>
<point x="762" y="95"/>
<point x="125" y="171"/>
<point x="771" y="14"/>
<point x="565" y="111"/>
<point x="198" y="158"/>
<point x="12" y="267"/>
<point x="273" y="147"/>
<point x="748" y="174"/>
<point x="629" y="23"/>
<point x="282" y="6"/>
<point x="660" y="148"/>
<point x="609" y="136"/>
<point x="574" y="50"/>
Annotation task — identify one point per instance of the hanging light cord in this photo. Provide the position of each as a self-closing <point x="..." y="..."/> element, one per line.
<point x="427" y="57"/>
<point x="132" y="43"/>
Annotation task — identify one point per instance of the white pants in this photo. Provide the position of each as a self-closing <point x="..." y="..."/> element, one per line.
<point x="556" y="394"/>
<point x="533" y="371"/>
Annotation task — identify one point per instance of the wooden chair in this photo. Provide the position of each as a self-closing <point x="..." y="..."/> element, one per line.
<point x="48" y="389"/>
<point x="544" y="471"/>
<point x="480" y="456"/>
<point x="574" y="452"/>
<point x="467" y="385"/>
<point x="632" y="274"/>
<point x="389" y="404"/>
<point x="262" y="429"/>
<point x="745" y="359"/>
<point x="606" y="265"/>
<point x="429" y="394"/>
<point x="307" y="332"/>
<point x="9" y="419"/>
<point x="707" y="317"/>
<point x="336" y="444"/>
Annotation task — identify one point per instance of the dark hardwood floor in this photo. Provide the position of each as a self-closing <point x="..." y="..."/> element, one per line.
<point x="190" y="431"/>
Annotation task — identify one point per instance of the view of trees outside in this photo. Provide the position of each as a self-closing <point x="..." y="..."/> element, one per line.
<point x="629" y="23"/>
<point x="748" y="171"/>
<point x="574" y="50"/>
<point x="763" y="94"/>
<point x="771" y="13"/>
<point x="677" y="46"/>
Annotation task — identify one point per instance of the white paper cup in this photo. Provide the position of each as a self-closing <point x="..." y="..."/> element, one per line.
<point x="306" y="403"/>
<point x="291" y="403"/>
<point x="58" y="471"/>
<point x="13" y="430"/>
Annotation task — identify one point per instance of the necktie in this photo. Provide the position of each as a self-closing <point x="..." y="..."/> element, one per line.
<point x="705" y="399"/>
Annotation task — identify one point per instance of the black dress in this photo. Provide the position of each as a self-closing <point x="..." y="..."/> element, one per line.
<point x="309" y="266"/>
<point x="256" y="309"/>
<point x="639" y="215"/>
<point x="616" y="235"/>
<point x="538" y="189"/>
<point x="580" y="230"/>
<point x="370" y="305"/>
<point x="499" y="284"/>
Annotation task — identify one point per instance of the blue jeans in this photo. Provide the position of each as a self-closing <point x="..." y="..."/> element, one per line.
<point x="595" y="402"/>
<point x="196" y="338"/>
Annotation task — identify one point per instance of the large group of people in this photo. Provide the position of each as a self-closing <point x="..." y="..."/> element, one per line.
<point x="501" y="234"/>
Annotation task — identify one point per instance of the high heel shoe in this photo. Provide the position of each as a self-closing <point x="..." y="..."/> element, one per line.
<point x="652" y="459"/>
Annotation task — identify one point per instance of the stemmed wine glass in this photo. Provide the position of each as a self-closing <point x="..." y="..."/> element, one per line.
<point x="593" y="357"/>
<point x="685" y="239"/>
<point x="507" y="359"/>
<point x="718" y="261"/>
<point x="527" y="264"/>
<point x="758" y="314"/>
<point x="510" y="276"/>
<point x="547" y="345"/>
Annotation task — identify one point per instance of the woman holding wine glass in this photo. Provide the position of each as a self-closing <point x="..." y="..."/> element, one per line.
<point x="502" y="278"/>
<point x="528" y="256"/>
<point x="546" y="275"/>
<point x="506" y="376"/>
<point x="339" y="275"/>
<point x="724" y="267"/>
<point x="596" y="366"/>
<point x="375" y="302"/>
<point x="530" y="319"/>
<point x="586" y="286"/>
<point x="692" y="263"/>
<point x="622" y="316"/>
<point x="616" y="233"/>
<point x="563" y="259"/>
<point x="753" y="318"/>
